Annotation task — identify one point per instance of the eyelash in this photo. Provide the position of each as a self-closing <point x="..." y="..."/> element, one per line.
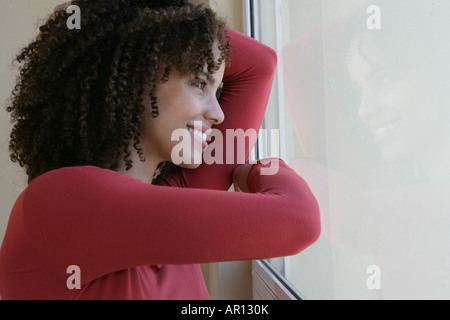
<point x="203" y="84"/>
<point x="219" y="91"/>
<point x="383" y="79"/>
<point x="199" y="84"/>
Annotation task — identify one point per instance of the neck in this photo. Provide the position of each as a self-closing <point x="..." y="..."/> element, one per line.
<point x="436" y="166"/>
<point x="434" y="158"/>
<point x="143" y="171"/>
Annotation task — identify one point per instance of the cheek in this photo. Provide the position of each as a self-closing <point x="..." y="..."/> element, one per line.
<point x="172" y="117"/>
<point x="398" y="97"/>
<point x="405" y="102"/>
<point x="180" y="109"/>
<point x="394" y="100"/>
<point x="419" y="107"/>
<point x="418" y="103"/>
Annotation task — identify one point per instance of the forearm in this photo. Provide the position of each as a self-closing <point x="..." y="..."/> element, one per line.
<point x="103" y="221"/>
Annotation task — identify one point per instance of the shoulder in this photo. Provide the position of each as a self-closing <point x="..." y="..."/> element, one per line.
<point x="68" y="193"/>
<point x="77" y="173"/>
<point x="72" y="182"/>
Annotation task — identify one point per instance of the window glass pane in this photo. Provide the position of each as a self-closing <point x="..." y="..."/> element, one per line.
<point x="363" y="91"/>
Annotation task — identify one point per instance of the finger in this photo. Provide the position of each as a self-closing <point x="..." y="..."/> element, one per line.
<point x="235" y="182"/>
<point x="237" y="188"/>
<point x="62" y="6"/>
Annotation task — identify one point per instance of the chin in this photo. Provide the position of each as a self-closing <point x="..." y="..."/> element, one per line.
<point x="187" y="163"/>
<point x="189" y="166"/>
<point x="395" y="153"/>
<point x="188" y="159"/>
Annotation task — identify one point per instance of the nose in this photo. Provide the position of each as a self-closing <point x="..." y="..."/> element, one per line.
<point x="213" y="112"/>
<point x="368" y="105"/>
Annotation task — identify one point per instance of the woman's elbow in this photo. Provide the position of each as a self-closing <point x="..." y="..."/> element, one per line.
<point x="306" y="226"/>
<point x="270" y="60"/>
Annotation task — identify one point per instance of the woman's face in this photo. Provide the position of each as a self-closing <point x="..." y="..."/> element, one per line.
<point x="184" y="104"/>
<point x="400" y="108"/>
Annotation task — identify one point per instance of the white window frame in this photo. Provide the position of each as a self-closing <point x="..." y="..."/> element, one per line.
<point x="268" y="283"/>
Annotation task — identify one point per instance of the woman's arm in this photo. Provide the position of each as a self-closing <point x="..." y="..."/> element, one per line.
<point x="246" y="90"/>
<point x="103" y="221"/>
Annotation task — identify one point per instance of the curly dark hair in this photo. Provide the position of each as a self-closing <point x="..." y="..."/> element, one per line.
<point x="79" y="95"/>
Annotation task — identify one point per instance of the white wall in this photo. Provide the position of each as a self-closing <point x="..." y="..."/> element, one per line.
<point x="19" y="22"/>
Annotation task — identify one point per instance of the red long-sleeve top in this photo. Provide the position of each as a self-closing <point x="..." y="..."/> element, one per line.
<point x="133" y="240"/>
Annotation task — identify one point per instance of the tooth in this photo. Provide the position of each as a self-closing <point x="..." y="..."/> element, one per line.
<point x="385" y="128"/>
<point x="200" y="134"/>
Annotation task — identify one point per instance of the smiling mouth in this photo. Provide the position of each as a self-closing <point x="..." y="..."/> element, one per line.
<point x="385" y="131"/>
<point x="201" y="135"/>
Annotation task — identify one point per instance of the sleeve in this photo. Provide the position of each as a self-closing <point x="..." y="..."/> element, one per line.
<point x="103" y="221"/>
<point x="246" y="89"/>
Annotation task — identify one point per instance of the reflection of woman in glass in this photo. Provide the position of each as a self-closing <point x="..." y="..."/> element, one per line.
<point x="382" y="175"/>
<point x="401" y="75"/>
<point x="401" y="71"/>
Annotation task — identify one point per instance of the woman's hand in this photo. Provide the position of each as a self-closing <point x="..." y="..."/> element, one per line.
<point x="240" y="175"/>
<point x="62" y="6"/>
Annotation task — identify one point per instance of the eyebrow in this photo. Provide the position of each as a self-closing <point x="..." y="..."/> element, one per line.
<point x="211" y="80"/>
<point x="374" y="72"/>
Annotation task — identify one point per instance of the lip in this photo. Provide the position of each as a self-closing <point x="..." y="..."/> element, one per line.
<point x="384" y="129"/>
<point x="205" y="130"/>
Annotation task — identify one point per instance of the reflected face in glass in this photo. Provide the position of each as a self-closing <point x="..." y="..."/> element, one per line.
<point x="397" y="105"/>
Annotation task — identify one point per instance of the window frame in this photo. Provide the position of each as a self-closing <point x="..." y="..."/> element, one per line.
<point x="269" y="284"/>
<point x="265" y="277"/>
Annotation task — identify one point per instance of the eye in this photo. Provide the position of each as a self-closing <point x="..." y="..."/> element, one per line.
<point x="200" y="84"/>
<point x="219" y="91"/>
<point x="383" y="79"/>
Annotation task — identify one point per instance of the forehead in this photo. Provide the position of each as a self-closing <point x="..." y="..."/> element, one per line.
<point x="215" y="77"/>
<point x="362" y="60"/>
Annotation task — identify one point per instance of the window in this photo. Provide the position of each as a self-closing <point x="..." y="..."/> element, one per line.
<point x="361" y="104"/>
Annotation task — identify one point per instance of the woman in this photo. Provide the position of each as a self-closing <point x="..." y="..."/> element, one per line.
<point x="94" y="112"/>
